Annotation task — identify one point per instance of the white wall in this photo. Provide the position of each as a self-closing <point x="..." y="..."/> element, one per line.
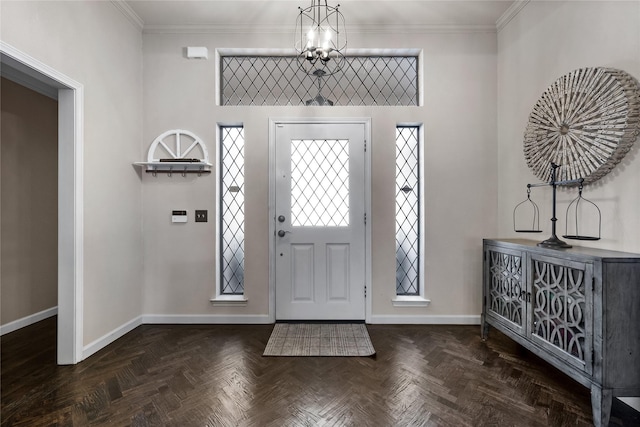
<point x="459" y="116"/>
<point x="94" y="44"/>
<point x="543" y="42"/>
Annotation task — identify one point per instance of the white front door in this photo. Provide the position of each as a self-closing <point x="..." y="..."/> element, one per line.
<point x="320" y="221"/>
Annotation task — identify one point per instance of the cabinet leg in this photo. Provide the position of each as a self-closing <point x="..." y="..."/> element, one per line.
<point x="484" y="328"/>
<point x="601" y="405"/>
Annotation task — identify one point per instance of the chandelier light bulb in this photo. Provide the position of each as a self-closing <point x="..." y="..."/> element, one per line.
<point x="311" y="36"/>
<point x="327" y="40"/>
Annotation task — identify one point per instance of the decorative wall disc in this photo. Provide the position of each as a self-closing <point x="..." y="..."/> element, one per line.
<point x="586" y="122"/>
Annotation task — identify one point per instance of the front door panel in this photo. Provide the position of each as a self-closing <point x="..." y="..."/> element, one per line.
<point x="320" y="231"/>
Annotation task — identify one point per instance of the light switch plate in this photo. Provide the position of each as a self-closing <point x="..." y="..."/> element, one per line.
<point x="201" y="215"/>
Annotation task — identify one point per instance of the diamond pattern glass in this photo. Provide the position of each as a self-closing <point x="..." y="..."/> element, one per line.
<point x="278" y="80"/>
<point x="320" y="183"/>
<point x="232" y="210"/>
<point x="407" y="211"/>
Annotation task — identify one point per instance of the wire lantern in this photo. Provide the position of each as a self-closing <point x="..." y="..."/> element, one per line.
<point x="320" y="38"/>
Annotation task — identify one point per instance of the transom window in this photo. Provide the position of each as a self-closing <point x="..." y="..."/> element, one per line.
<point x="278" y="80"/>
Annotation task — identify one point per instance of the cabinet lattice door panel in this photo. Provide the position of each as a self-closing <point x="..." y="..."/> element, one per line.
<point x="505" y="291"/>
<point x="559" y="315"/>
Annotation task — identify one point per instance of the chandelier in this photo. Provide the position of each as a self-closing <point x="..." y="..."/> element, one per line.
<point x="321" y="38"/>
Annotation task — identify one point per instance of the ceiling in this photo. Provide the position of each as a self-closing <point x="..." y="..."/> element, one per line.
<point x="247" y="15"/>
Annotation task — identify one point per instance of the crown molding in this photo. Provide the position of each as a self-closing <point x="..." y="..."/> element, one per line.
<point x="215" y="29"/>
<point x="510" y="13"/>
<point x="280" y="29"/>
<point x="129" y="13"/>
<point x="421" y="29"/>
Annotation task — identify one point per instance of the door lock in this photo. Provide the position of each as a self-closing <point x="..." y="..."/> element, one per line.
<point x="281" y="218"/>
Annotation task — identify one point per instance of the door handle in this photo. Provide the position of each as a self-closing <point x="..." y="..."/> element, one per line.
<point x="281" y="233"/>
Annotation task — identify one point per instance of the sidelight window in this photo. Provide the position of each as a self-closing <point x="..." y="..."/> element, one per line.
<point x="231" y="179"/>
<point x="408" y="190"/>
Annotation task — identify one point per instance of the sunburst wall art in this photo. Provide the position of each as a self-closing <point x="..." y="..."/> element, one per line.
<point x="586" y="122"/>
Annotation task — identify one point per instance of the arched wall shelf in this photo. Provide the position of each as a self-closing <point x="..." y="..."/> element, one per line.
<point x="168" y="154"/>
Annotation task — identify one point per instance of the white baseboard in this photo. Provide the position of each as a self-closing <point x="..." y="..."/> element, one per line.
<point x="179" y="319"/>
<point x="206" y="319"/>
<point x="110" y="337"/>
<point x="28" y="320"/>
<point x="424" y="320"/>
<point x="172" y="319"/>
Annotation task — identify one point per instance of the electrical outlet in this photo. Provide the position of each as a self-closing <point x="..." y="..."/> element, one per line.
<point x="201" y="216"/>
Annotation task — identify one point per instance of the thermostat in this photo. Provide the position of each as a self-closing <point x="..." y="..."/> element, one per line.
<point x="178" y="216"/>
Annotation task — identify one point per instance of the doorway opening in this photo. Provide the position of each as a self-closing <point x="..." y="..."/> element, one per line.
<point x="38" y="76"/>
<point x="29" y="147"/>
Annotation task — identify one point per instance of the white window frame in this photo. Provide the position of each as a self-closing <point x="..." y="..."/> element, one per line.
<point x="256" y="52"/>
<point x="417" y="300"/>
<point x="220" y="299"/>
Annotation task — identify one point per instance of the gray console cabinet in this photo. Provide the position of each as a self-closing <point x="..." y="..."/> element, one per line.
<point x="578" y="309"/>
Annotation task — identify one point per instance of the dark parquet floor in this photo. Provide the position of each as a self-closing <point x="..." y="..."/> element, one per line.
<point x="163" y="375"/>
